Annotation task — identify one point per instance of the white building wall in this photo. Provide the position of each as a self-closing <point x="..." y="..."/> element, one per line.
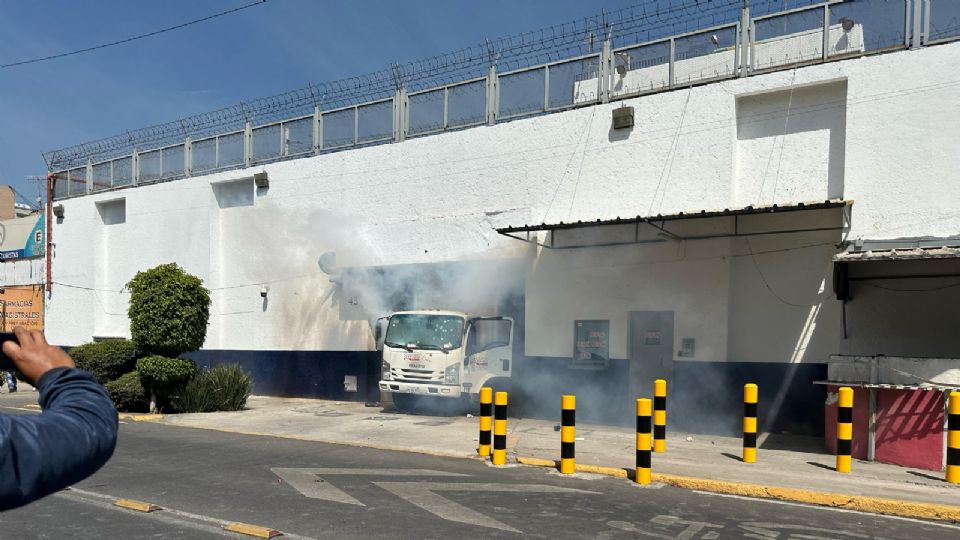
<point x="438" y="198"/>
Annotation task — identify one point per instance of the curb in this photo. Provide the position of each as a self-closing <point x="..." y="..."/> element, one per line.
<point x="140" y="417"/>
<point x="859" y="503"/>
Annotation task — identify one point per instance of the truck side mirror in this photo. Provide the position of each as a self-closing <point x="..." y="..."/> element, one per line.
<point x="379" y="331"/>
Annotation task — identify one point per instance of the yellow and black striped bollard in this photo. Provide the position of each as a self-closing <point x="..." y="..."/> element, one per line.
<point x="750" y="423"/>
<point x="844" y="429"/>
<point x="500" y="428"/>
<point x="953" y="439"/>
<point x="643" y="441"/>
<point x="486" y="420"/>
<point x="659" y="415"/>
<point x="568" y="423"/>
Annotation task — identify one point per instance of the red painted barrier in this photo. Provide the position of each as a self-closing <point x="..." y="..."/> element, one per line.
<point x="909" y="426"/>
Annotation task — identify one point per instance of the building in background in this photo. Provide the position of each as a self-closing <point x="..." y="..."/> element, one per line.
<point x="716" y="208"/>
<point x="22" y="249"/>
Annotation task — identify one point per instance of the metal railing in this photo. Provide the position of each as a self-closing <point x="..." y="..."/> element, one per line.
<point x="753" y="44"/>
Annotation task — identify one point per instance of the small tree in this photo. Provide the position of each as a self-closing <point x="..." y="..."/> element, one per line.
<point x="162" y="376"/>
<point x="169" y="310"/>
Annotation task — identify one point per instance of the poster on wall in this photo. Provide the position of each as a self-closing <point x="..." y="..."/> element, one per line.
<point x="591" y="344"/>
<point x="21" y="306"/>
<point x="22" y="238"/>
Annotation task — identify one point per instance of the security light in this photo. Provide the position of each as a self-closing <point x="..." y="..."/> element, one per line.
<point x="58" y="210"/>
<point x="261" y="180"/>
<point x="846" y="23"/>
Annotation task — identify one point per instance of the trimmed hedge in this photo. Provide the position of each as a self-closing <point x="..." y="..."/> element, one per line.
<point x="107" y="360"/>
<point x="128" y="394"/>
<point x="163" y="375"/>
<point x="221" y="388"/>
<point x="169" y="310"/>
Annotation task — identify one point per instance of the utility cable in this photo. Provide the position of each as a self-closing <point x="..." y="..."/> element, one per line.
<point x="767" y="283"/>
<point x="133" y="38"/>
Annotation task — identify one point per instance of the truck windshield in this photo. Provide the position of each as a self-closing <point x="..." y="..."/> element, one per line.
<point x="425" y="331"/>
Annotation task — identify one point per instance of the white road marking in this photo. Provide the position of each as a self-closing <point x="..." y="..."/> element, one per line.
<point x="309" y="483"/>
<point x="830" y="508"/>
<point x="690" y="528"/>
<point x="422" y="494"/>
<point x="167" y="515"/>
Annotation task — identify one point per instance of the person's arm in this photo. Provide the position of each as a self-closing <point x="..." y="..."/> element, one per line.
<point x="70" y="440"/>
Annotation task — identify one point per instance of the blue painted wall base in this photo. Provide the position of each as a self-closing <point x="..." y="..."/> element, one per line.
<point x="309" y="374"/>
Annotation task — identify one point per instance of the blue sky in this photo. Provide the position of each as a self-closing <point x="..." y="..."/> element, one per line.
<point x="270" y="48"/>
<point x="277" y="46"/>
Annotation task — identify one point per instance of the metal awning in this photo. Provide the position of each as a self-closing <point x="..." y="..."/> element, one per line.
<point x="938" y="387"/>
<point x="830" y="215"/>
<point x="884" y="263"/>
<point x="903" y="254"/>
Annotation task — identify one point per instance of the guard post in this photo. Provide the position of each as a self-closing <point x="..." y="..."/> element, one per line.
<point x="660" y="415"/>
<point x="643" y="441"/>
<point x="500" y="428"/>
<point x="568" y="423"/>
<point x="486" y="420"/>
<point x="953" y="439"/>
<point x="750" y="423"/>
<point x="844" y="429"/>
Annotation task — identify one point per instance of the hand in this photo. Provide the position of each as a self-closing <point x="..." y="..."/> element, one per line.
<point x="33" y="356"/>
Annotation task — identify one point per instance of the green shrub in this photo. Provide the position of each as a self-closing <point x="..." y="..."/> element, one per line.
<point x="163" y="377"/>
<point x="128" y="394"/>
<point x="169" y="310"/>
<point x="221" y="388"/>
<point x="107" y="360"/>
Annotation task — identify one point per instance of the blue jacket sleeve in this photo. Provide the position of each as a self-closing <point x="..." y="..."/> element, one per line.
<point x="70" y="440"/>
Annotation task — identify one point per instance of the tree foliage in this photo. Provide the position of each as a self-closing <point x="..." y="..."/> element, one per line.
<point x="107" y="360"/>
<point x="169" y="310"/>
<point x="163" y="375"/>
<point x="128" y="394"/>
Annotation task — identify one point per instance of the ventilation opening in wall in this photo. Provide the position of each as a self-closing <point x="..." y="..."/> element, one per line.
<point x="113" y="212"/>
<point x="791" y="144"/>
<point x="234" y="193"/>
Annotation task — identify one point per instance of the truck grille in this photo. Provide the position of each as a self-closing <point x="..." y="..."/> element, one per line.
<point x="416" y="375"/>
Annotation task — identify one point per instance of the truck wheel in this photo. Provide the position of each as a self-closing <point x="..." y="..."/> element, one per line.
<point x="406" y="403"/>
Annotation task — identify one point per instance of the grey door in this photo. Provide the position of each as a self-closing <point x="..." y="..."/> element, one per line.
<point x="650" y="350"/>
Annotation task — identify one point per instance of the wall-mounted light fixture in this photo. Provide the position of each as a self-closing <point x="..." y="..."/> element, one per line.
<point x="263" y="291"/>
<point x="261" y="179"/>
<point x="846" y="23"/>
<point x="58" y="211"/>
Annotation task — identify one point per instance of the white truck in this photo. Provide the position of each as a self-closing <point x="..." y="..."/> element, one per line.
<point x="443" y="357"/>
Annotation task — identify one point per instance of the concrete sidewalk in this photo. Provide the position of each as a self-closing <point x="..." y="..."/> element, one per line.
<point x="795" y="463"/>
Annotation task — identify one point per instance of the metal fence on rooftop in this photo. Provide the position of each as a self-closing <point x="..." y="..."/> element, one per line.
<point x="615" y="55"/>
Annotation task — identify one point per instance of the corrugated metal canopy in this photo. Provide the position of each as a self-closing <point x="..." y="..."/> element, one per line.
<point x="829" y="215"/>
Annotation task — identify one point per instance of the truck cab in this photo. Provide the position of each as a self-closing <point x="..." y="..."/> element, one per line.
<point x="436" y="354"/>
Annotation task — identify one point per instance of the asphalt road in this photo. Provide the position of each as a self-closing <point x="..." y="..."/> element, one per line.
<point x="204" y="479"/>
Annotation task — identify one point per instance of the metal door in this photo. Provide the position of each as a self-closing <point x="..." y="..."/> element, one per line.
<point x="650" y="350"/>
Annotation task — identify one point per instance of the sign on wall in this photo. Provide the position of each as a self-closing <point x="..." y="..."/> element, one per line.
<point x="591" y="344"/>
<point x="21" y="306"/>
<point x="22" y="237"/>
